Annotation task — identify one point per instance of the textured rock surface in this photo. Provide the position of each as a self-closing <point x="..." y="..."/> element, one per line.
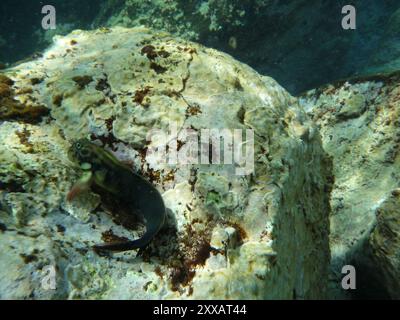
<point x="360" y="127"/>
<point x="300" y="43"/>
<point x="263" y="235"/>
<point x="384" y="244"/>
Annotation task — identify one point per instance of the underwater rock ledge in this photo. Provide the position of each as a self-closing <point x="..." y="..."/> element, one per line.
<point x="359" y="123"/>
<point x="258" y="236"/>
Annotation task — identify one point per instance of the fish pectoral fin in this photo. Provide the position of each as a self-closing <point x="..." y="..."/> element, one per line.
<point x="100" y="180"/>
<point x="81" y="186"/>
<point x="100" y="176"/>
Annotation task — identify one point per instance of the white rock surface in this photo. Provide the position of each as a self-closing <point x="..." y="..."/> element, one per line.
<point x="360" y="128"/>
<point x="228" y="236"/>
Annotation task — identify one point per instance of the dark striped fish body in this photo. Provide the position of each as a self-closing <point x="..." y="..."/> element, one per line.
<point x="105" y="171"/>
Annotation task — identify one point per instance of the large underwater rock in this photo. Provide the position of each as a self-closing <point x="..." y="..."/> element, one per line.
<point x="240" y="235"/>
<point x="384" y="244"/>
<point x="300" y="43"/>
<point x="359" y="120"/>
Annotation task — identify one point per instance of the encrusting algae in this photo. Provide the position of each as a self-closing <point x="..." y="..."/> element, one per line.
<point x="12" y="109"/>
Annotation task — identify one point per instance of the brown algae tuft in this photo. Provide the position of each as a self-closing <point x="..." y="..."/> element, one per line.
<point x="82" y="81"/>
<point x="11" y="109"/>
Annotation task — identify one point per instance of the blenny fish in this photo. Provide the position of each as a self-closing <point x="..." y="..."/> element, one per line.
<point x="101" y="168"/>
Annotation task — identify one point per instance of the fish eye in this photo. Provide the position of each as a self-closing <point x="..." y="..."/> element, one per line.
<point x="78" y="146"/>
